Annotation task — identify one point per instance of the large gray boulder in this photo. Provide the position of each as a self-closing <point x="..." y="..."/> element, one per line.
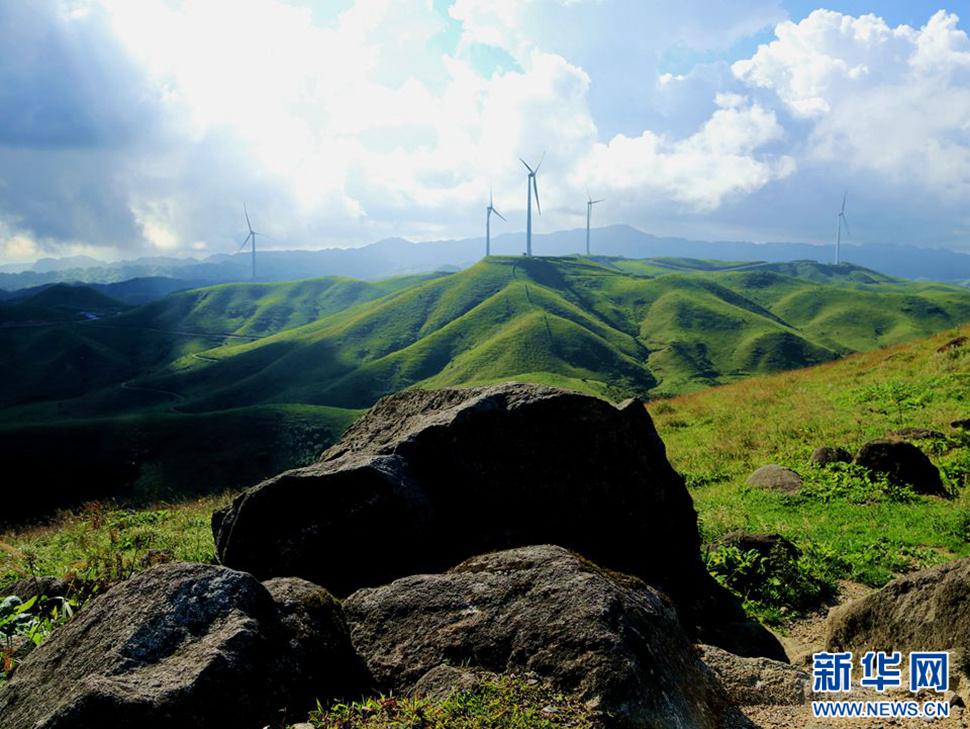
<point x="904" y="463"/>
<point x="775" y="478"/>
<point x="607" y="638"/>
<point x="927" y="610"/>
<point x="187" y="645"/>
<point x="757" y="681"/>
<point x="429" y="478"/>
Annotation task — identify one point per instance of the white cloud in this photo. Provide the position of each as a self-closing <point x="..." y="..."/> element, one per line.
<point x="379" y="120"/>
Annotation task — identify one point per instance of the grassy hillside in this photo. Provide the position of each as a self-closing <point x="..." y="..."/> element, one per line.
<point x="192" y="367"/>
<point x="845" y="526"/>
<point x="718" y="437"/>
<point x="574" y="322"/>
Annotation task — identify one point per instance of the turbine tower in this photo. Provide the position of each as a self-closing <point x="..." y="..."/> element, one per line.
<point x="488" y="223"/>
<point x="842" y="221"/>
<point x="531" y="185"/>
<point x="590" y="202"/>
<point x="251" y="236"/>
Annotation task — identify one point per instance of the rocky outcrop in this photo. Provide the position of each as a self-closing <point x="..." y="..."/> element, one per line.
<point x="607" y="638"/>
<point x="952" y="344"/>
<point x="186" y="645"/>
<point x="757" y="681"/>
<point x="927" y="610"/>
<point x="904" y="463"/>
<point x="912" y="433"/>
<point x="775" y="478"/>
<point x="429" y="478"/>
<point x="823" y="455"/>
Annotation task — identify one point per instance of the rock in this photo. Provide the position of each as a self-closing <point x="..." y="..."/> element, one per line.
<point x="914" y="434"/>
<point x="25" y="589"/>
<point x="765" y="545"/>
<point x="609" y="639"/>
<point x="757" y="681"/>
<point x="904" y="463"/>
<point x="961" y="424"/>
<point x="776" y="478"/>
<point x="320" y="656"/>
<point x="429" y="478"/>
<point x="954" y="343"/>
<point x="185" y="645"/>
<point x="922" y="611"/>
<point x="442" y="681"/>
<point x="824" y="455"/>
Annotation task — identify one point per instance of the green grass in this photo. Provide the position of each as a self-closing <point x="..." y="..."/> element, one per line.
<point x="507" y="702"/>
<point x="849" y="527"/>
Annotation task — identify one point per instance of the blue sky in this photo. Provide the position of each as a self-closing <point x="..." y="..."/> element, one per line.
<point x="133" y="129"/>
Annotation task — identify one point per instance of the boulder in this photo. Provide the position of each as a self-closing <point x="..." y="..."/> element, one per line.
<point x="927" y="610"/>
<point x="429" y="478"/>
<point x="609" y="639"/>
<point x="765" y="545"/>
<point x="775" y="478"/>
<point x="823" y="455"/>
<point x="904" y="463"/>
<point x="954" y="343"/>
<point x="914" y="434"/>
<point x="184" y="645"/>
<point x="319" y="654"/>
<point x="29" y="587"/>
<point x="757" y="681"/>
<point x="442" y="681"/>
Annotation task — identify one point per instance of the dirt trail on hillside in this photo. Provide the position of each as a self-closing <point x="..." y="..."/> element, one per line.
<point x="806" y="636"/>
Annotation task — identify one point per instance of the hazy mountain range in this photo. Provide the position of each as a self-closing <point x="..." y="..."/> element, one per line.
<point x="397" y="256"/>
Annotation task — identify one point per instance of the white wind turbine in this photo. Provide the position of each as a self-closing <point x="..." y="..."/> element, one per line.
<point x="251" y="236"/>
<point x="488" y="223"/>
<point x="842" y="221"/>
<point x="590" y="202"/>
<point x="531" y="185"/>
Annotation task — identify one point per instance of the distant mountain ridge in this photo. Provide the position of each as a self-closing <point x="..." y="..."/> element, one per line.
<point x="397" y="256"/>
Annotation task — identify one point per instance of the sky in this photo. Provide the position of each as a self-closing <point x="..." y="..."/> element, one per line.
<point x="141" y="129"/>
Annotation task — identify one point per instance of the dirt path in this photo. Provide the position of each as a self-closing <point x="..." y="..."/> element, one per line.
<point x="807" y="636"/>
<point x="168" y="393"/>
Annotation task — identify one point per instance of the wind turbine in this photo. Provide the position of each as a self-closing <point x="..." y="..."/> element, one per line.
<point x="590" y="202"/>
<point x="252" y="235"/>
<point x="488" y="223"/>
<point x="531" y="185"/>
<point x="842" y="221"/>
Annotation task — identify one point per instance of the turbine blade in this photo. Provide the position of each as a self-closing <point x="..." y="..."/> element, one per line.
<point x="526" y="165"/>
<point x="245" y="242"/>
<point x="246" y="213"/>
<point x="535" y="186"/>
<point x="846" y="221"/>
<point x="499" y="214"/>
<point x="593" y="202"/>
<point x="589" y="198"/>
<point x="540" y="160"/>
<point x="843" y="200"/>
<point x="490" y="196"/>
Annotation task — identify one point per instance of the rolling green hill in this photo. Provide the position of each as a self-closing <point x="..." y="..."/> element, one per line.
<point x="572" y="322"/>
<point x="182" y="375"/>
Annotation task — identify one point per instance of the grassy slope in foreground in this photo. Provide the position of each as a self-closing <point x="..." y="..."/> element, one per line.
<point x="718" y="437"/>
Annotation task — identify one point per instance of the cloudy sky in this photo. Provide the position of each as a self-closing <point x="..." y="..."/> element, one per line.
<point x="140" y="128"/>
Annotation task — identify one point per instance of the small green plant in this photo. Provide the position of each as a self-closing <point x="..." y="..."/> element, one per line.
<point x="853" y="483"/>
<point x="771" y="586"/>
<point x="34" y="619"/>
